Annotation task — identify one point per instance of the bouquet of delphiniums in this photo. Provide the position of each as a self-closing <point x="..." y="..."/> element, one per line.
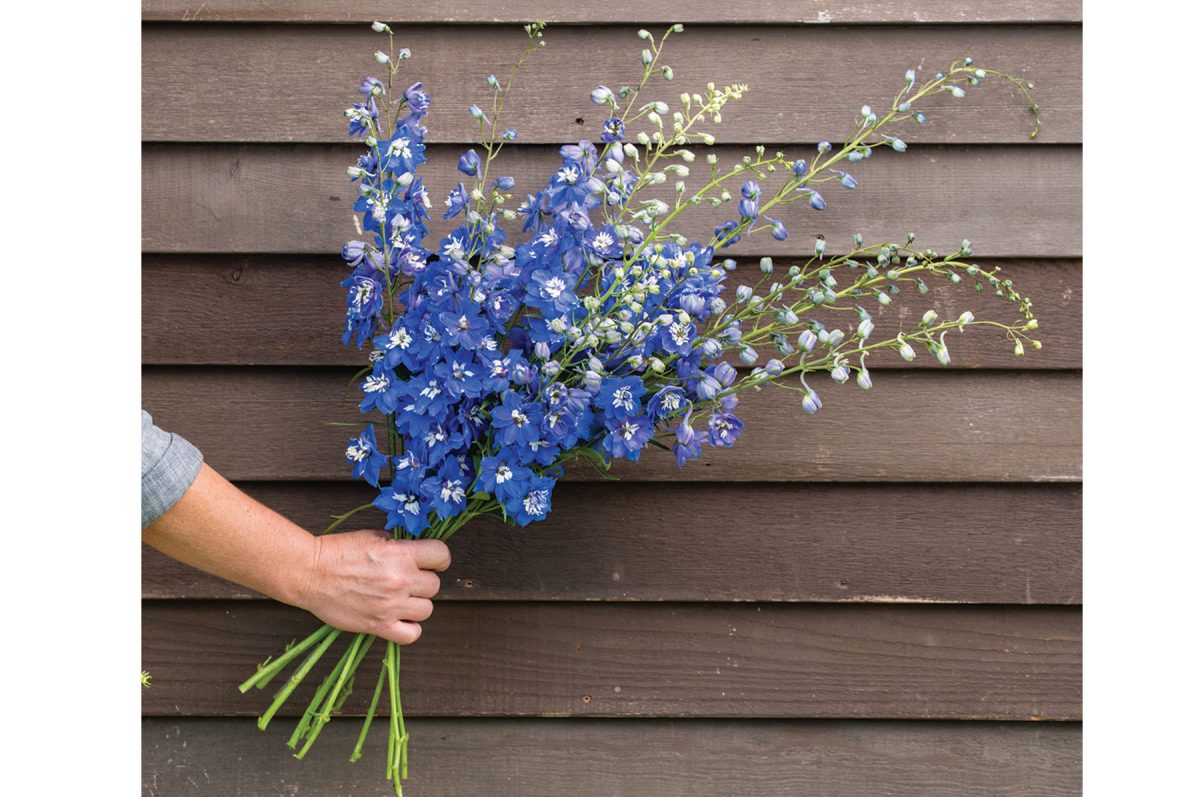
<point x="594" y="330"/>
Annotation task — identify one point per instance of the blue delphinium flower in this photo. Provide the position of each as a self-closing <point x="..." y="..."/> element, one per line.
<point x="365" y="457"/>
<point x="614" y="130"/>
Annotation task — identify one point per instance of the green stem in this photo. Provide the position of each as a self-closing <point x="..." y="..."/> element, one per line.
<point x="362" y="735"/>
<point x="298" y="676"/>
<point x="268" y="671"/>
<point x="311" y="712"/>
<point x="344" y="672"/>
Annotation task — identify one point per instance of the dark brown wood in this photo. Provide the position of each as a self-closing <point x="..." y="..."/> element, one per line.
<point x="1011" y="201"/>
<point x="753" y="542"/>
<point x="606" y="757"/>
<point x="654" y="659"/>
<point x="913" y="426"/>
<point x="664" y="11"/>
<point x="289" y="310"/>
<point x="291" y="83"/>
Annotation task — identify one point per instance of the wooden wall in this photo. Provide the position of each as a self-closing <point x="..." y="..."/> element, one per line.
<point x="881" y="599"/>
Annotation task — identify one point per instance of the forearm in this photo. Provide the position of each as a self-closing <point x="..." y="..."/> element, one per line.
<point x="217" y="528"/>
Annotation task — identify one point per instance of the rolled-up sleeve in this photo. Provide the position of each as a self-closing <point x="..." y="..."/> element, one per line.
<point x="169" y="466"/>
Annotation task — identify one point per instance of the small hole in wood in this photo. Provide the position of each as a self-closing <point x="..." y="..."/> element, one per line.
<point x="578" y="120"/>
<point x="587" y="698"/>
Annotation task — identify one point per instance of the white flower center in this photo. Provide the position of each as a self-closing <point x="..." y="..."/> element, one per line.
<point x="603" y="240"/>
<point x="400" y="147"/>
<point x="503" y="474"/>
<point x="452" y="491"/>
<point x="555" y="287"/>
<point x="400" y="338"/>
<point x="375" y="384"/>
<point x="568" y="174"/>
<point x="535" y="502"/>
<point x="623" y="398"/>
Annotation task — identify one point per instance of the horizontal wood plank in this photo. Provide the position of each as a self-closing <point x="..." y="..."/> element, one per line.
<point x="293" y="82"/>
<point x="290" y="310"/>
<point x="623" y="758"/>
<point x="915" y="426"/>
<point x="1011" y="201"/>
<point x="754" y="542"/>
<point x="653" y="659"/>
<point x="820" y="12"/>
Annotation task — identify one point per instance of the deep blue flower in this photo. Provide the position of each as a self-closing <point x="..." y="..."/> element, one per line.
<point x="447" y="491"/>
<point x="627" y="436"/>
<point x="503" y="477"/>
<point x="516" y="421"/>
<point x="364" y="455"/>
<point x="456" y="201"/>
<point x="620" y="397"/>
<point x="614" y="130"/>
<point x="469" y="163"/>
<point x="405" y="151"/>
<point x="666" y="402"/>
<point x="723" y="429"/>
<point x="534" y="504"/>
<point x="405" y="507"/>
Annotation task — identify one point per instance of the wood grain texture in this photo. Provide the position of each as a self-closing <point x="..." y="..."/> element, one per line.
<point x="819" y="12"/>
<point x="653" y="659"/>
<point x="289" y="310"/>
<point x="754" y="542"/>
<point x="291" y="83"/>
<point x="624" y="758"/>
<point x="1010" y="201"/>
<point x="917" y="426"/>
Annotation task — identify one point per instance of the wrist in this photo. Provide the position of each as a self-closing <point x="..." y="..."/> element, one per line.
<point x="299" y="570"/>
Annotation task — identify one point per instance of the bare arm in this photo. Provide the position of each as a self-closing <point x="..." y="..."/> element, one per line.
<point x="356" y="581"/>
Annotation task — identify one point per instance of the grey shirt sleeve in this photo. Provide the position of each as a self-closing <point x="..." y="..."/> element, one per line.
<point x="169" y="466"/>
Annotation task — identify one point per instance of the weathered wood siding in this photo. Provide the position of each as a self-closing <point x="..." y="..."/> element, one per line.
<point x="884" y="598"/>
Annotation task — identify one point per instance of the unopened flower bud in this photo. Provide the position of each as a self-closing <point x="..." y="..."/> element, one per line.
<point x="602" y="94"/>
<point x="379" y="27"/>
<point x="382" y="57"/>
<point x="907" y="353"/>
<point x="807" y="340"/>
<point x="865" y="328"/>
<point x="929" y="317"/>
<point x="864" y="378"/>
<point x="811" y="402"/>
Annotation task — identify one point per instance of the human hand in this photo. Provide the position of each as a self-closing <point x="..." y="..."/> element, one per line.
<point x="365" y="581"/>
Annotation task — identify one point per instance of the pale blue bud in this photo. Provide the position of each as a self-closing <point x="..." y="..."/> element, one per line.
<point x="710" y="348"/>
<point x="865" y="328"/>
<point x="602" y="94"/>
<point x="835" y="337"/>
<point x="906" y="351"/>
<point x="824" y="147"/>
<point x="766" y="265"/>
<point x="807" y="340"/>
<point x="747" y="355"/>
<point x="864" y="379"/>
<point x="799" y="168"/>
<point x="379" y="27"/>
<point x="744" y="292"/>
<point x="839" y="374"/>
<point x="542" y="350"/>
<point x="898" y="145"/>
<point x="819" y="248"/>
<point x="883" y="298"/>
<point x="774" y="367"/>
<point x="811" y="402"/>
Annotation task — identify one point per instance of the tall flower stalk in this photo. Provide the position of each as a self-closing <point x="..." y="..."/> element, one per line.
<point x="604" y="331"/>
